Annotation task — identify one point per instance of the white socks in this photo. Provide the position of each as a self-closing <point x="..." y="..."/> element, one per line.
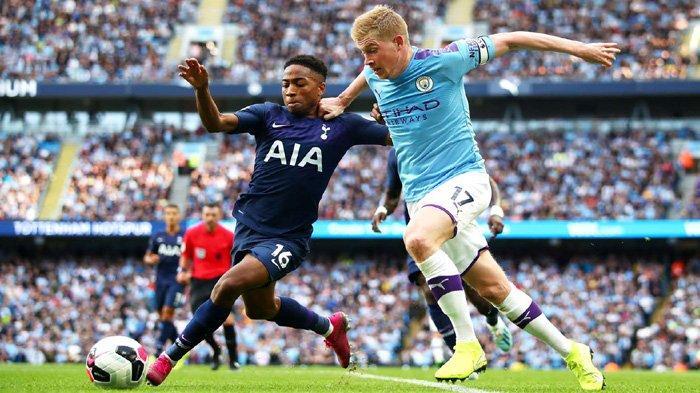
<point x="525" y="313"/>
<point x="445" y="283"/>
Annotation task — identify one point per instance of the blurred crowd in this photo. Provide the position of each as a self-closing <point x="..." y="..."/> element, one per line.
<point x="542" y="174"/>
<point x="100" y="41"/>
<point x="121" y="177"/>
<point x="584" y="175"/>
<point x="54" y="310"/>
<point x="108" y="41"/>
<point x="673" y="342"/>
<point x="26" y="163"/>
<point x="648" y="32"/>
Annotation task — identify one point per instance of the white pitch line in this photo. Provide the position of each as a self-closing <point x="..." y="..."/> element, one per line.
<point x="436" y="385"/>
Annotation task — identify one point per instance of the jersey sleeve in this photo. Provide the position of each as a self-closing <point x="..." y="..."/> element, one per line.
<point x="464" y="55"/>
<point x="251" y="119"/>
<point x="393" y="182"/>
<point x="365" y="132"/>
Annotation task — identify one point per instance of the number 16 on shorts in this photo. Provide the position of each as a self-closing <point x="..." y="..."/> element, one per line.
<point x="280" y="257"/>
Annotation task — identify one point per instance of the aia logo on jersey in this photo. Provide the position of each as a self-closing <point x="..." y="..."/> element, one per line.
<point x="313" y="157"/>
<point x="424" y="83"/>
<point x="169" y="250"/>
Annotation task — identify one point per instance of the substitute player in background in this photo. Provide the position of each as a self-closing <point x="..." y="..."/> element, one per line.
<point x="206" y="256"/>
<point x="296" y="154"/>
<point x="421" y="96"/>
<point x="164" y="253"/>
<point x="388" y="203"/>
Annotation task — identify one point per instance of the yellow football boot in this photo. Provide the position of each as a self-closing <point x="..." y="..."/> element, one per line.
<point x="580" y="361"/>
<point x="467" y="359"/>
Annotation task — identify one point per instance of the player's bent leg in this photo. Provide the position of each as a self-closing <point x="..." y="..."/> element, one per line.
<point x="429" y="228"/>
<point x="499" y="330"/>
<point x="248" y="274"/>
<point x="487" y="277"/>
<point x="287" y="312"/>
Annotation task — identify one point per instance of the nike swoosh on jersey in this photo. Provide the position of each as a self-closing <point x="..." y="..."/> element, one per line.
<point x="275" y="125"/>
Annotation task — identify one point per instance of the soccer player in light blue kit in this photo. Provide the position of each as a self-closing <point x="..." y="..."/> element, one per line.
<point x="422" y="99"/>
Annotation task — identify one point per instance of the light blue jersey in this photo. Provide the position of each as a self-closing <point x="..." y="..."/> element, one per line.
<point x="427" y="112"/>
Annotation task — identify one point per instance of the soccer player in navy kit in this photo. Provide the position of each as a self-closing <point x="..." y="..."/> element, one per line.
<point x="389" y="201"/>
<point x="296" y="154"/>
<point x="164" y="253"/>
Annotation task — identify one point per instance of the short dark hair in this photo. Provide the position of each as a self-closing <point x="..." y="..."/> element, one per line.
<point x="212" y="205"/>
<point x="311" y="62"/>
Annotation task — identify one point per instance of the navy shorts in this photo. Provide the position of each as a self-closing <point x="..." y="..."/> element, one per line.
<point x="413" y="270"/>
<point x="168" y="293"/>
<point x="280" y="255"/>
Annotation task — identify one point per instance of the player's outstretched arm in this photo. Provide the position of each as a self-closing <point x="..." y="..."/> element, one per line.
<point x="602" y="53"/>
<point x="196" y="75"/>
<point x="333" y="107"/>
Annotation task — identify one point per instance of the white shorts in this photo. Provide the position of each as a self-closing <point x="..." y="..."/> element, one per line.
<point x="463" y="198"/>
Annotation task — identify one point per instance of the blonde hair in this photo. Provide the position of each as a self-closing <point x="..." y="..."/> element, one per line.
<point x="381" y="23"/>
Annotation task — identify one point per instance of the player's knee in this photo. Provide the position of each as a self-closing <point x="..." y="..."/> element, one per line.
<point x="226" y="288"/>
<point x="419" y="245"/>
<point x="495" y="292"/>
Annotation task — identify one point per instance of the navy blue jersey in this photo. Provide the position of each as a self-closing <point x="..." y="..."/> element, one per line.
<point x="393" y="182"/>
<point x="295" y="158"/>
<point x="168" y="248"/>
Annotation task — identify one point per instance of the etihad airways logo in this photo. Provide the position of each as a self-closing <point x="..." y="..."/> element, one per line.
<point x="409" y="113"/>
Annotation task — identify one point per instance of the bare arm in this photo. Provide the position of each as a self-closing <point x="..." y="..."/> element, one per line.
<point x="332" y="107"/>
<point x="213" y="120"/>
<point x="599" y="52"/>
<point x="495" y="193"/>
<point x="496" y="212"/>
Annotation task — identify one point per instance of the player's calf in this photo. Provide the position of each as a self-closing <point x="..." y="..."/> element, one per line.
<point x="490" y="281"/>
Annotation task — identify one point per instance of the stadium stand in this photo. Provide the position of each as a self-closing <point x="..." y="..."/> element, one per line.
<point x="650" y="33"/>
<point x="46" y="310"/>
<point x="26" y="163"/>
<point x="103" y="42"/>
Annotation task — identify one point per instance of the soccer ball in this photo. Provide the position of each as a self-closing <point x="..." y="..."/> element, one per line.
<point x="117" y="362"/>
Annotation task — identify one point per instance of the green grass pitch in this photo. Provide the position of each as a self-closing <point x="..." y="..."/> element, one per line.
<point x="72" y="378"/>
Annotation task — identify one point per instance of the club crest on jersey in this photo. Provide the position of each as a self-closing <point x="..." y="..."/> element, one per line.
<point x="424" y="83"/>
<point x="325" y="130"/>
